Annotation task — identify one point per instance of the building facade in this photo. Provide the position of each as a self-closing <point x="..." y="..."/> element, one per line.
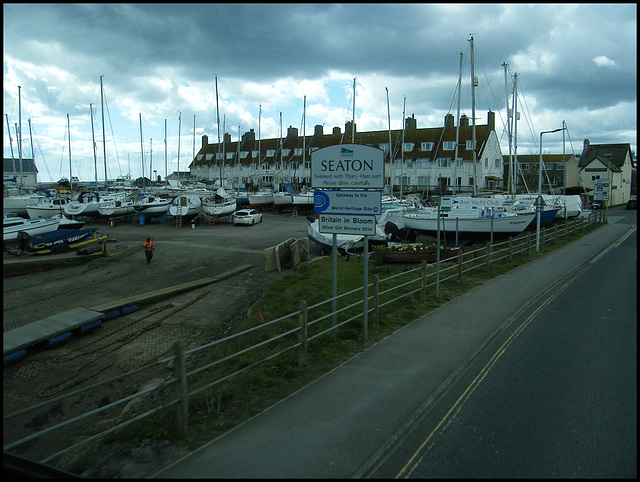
<point x="560" y="173"/>
<point x="608" y="161"/>
<point x="421" y="160"/>
<point x="12" y="173"/>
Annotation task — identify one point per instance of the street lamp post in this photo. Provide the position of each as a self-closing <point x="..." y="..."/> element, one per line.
<point x="539" y="201"/>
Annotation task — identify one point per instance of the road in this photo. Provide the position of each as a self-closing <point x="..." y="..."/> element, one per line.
<point x="555" y="396"/>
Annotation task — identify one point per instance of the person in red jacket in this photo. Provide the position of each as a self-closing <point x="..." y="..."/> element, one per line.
<point x="148" y="249"/>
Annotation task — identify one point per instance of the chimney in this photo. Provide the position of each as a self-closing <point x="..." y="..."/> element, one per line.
<point x="227" y="138"/>
<point x="585" y="146"/>
<point x="411" y="123"/>
<point x="205" y="141"/>
<point x="336" y="130"/>
<point x="249" y="136"/>
<point x="347" y="127"/>
<point x="491" y="120"/>
<point x="464" y="121"/>
<point x="292" y="132"/>
<point x="448" y="120"/>
<point x="318" y="130"/>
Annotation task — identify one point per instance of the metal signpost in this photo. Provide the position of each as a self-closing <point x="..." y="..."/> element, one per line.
<point x="348" y="166"/>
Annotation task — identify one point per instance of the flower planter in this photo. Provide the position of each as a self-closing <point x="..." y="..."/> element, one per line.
<point x="414" y="254"/>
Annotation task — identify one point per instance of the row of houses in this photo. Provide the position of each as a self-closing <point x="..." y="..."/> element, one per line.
<point x="423" y="161"/>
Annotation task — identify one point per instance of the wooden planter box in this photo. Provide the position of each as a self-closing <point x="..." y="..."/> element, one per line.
<point x="417" y="256"/>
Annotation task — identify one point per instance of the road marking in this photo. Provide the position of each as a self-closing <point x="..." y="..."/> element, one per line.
<point x="430" y="441"/>
<point x="615" y="244"/>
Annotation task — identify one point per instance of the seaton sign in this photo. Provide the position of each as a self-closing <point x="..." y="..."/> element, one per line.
<point x="347" y="166"/>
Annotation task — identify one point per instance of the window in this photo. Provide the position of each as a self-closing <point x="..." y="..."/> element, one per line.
<point x="298" y="151"/>
<point x="270" y="152"/>
<point x="593" y="178"/>
<point x="408" y="163"/>
<point x="407" y="146"/>
<point x="497" y="164"/>
<point x="426" y="146"/>
<point x="460" y="162"/>
<point x="444" y="162"/>
<point x="266" y="166"/>
<point x="254" y="153"/>
<point x="469" y="145"/>
<point x="423" y="163"/>
<point x="423" y="181"/>
<point x="384" y="147"/>
<point x="448" y="145"/>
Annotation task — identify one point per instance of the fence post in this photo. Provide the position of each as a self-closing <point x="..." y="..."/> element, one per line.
<point x="460" y="254"/>
<point x="488" y="254"/>
<point x="423" y="282"/>
<point x="542" y="237"/>
<point x="182" y="414"/>
<point x="575" y="227"/>
<point x="510" y="248"/>
<point x="302" y="333"/>
<point x="376" y="300"/>
<point x="528" y="242"/>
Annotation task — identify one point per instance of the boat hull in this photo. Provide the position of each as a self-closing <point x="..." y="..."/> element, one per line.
<point x="474" y="229"/>
<point x="29" y="226"/>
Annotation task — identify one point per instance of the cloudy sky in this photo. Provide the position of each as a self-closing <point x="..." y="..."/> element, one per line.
<point x="575" y="63"/>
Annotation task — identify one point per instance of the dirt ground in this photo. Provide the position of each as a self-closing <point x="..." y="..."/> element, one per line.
<point x="132" y="341"/>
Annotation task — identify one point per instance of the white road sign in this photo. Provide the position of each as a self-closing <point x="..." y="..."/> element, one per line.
<point x="347" y="166"/>
<point x="347" y="202"/>
<point x="601" y="190"/>
<point x="347" y="224"/>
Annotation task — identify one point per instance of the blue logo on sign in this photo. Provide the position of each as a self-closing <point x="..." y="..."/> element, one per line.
<point x="320" y="201"/>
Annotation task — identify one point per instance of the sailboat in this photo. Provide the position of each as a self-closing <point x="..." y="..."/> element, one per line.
<point x="468" y="216"/>
<point x="221" y="203"/>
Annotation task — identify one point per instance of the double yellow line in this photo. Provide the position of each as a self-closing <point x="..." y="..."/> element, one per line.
<point x="424" y="448"/>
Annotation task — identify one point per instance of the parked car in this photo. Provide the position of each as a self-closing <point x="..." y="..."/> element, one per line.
<point x="632" y="203"/>
<point x="247" y="216"/>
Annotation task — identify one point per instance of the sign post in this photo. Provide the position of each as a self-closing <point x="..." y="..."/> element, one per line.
<point x="348" y="166"/>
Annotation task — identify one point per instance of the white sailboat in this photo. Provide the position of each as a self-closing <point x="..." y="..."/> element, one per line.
<point x="186" y="205"/>
<point x="14" y="225"/>
<point x="220" y="204"/>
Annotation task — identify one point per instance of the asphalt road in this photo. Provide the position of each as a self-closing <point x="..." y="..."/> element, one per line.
<point x="555" y="396"/>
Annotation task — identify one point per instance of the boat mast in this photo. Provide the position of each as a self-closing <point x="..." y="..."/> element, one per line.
<point x="179" y="130"/>
<point x="70" y="173"/>
<point x="510" y="186"/>
<point x="404" y="126"/>
<point x="33" y="154"/>
<point x="20" y="134"/>
<point x="141" y="150"/>
<point x="353" y="115"/>
<point x="150" y="159"/>
<point x="218" y="119"/>
<point x="455" y="155"/>
<point x="165" y="151"/>
<point x="93" y="141"/>
<point x="104" y="138"/>
<point x="390" y="149"/>
<point x="281" y="146"/>
<point x="304" y="126"/>
<point x="259" y="123"/>
<point x="10" y="138"/>
<point x="564" y="161"/>
<point x="473" y="118"/>
<point x="515" y="134"/>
